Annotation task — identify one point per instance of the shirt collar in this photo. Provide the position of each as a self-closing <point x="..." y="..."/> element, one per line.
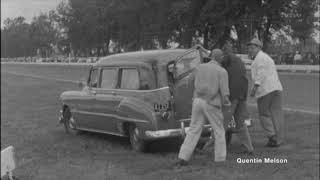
<point x="215" y="62"/>
<point x="254" y="57"/>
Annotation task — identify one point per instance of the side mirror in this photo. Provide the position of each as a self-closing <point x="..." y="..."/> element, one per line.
<point x="82" y="84"/>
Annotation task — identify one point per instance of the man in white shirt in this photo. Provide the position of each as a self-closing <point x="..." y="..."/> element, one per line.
<point x="267" y="89"/>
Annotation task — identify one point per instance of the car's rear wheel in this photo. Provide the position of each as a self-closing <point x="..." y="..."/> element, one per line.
<point x="69" y="122"/>
<point x="137" y="143"/>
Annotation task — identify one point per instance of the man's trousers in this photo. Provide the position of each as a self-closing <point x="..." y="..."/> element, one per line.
<point x="240" y="113"/>
<point x="202" y="112"/>
<point x="271" y="115"/>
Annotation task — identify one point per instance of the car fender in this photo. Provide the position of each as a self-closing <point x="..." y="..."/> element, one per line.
<point x="138" y="113"/>
<point x="72" y="99"/>
<point x="69" y="95"/>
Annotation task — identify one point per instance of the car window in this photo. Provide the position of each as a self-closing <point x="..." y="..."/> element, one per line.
<point x="130" y="79"/>
<point x="109" y="78"/>
<point x="187" y="63"/>
<point x="94" y="79"/>
<point x="147" y="80"/>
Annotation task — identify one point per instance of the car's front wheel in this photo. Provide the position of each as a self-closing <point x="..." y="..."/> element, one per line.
<point x="69" y="122"/>
<point x="137" y="143"/>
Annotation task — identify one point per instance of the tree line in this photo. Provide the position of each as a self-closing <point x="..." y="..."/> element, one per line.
<point x="95" y="27"/>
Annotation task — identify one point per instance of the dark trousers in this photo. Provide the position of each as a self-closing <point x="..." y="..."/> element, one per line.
<point x="271" y="115"/>
<point x="239" y="111"/>
<point x="240" y="114"/>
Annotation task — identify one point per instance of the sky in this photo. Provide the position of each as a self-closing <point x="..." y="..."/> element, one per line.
<point x="26" y="8"/>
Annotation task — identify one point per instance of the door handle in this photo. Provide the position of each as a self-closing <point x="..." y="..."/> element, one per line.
<point x="113" y="93"/>
<point x="94" y="92"/>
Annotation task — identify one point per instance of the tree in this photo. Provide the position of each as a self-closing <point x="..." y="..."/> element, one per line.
<point x="15" y="40"/>
<point x="147" y="24"/>
<point x="302" y="21"/>
<point x="42" y="34"/>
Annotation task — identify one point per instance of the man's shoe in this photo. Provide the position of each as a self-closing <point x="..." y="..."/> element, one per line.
<point x="181" y="162"/>
<point x="272" y="143"/>
<point x="269" y="143"/>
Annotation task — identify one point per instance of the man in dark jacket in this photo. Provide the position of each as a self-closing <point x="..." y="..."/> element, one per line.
<point x="238" y="86"/>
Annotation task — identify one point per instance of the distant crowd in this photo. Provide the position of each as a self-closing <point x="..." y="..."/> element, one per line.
<point x="305" y="58"/>
<point x="52" y="59"/>
<point x="297" y="58"/>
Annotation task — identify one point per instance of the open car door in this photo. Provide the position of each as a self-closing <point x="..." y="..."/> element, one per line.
<point x="184" y="83"/>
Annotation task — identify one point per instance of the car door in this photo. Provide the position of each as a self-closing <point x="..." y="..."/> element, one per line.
<point x="106" y="101"/>
<point x="83" y="110"/>
<point x="129" y="86"/>
<point x="184" y="83"/>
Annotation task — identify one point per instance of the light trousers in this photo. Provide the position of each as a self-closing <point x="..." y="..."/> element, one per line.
<point x="202" y="112"/>
<point x="271" y="115"/>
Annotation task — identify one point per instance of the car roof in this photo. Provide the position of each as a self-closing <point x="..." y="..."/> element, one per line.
<point x="138" y="57"/>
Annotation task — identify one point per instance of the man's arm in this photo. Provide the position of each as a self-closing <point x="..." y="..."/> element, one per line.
<point x="195" y="83"/>
<point x="224" y="88"/>
<point x="201" y="48"/>
<point x="258" y="77"/>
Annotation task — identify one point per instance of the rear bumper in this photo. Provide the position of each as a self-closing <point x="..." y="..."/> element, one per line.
<point x="181" y="132"/>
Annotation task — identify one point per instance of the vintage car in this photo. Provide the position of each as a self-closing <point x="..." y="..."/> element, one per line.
<point x="144" y="95"/>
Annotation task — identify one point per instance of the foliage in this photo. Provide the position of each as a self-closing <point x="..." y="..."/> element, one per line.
<point x="303" y="19"/>
<point x="14" y="37"/>
<point x="19" y="38"/>
<point x="94" y="27"/>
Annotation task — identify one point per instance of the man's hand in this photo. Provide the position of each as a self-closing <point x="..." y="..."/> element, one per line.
<point x="253" y="91"/>
<point x="198" y="46"/>
<point x="226" y="101"/>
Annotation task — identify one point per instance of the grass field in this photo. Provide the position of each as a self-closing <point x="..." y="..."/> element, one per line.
<point x="29" y="112"/>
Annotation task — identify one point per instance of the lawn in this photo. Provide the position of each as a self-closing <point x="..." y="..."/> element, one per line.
<point x="29" y="112"/>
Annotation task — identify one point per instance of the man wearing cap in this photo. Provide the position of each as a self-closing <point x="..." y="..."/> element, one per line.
<point x="267" y="89"/>
<point x="210" y="94"/>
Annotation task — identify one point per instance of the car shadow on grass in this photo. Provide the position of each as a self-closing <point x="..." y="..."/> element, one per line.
<point x="114" y="141"/>
<point x="162" y="146"/>
<point x="170" y="145"/>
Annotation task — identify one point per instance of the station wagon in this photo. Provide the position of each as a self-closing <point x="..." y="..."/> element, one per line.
<point x="144" y="95"/>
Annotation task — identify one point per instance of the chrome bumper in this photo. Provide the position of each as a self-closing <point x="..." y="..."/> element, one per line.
<point x="173" y="132"/>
